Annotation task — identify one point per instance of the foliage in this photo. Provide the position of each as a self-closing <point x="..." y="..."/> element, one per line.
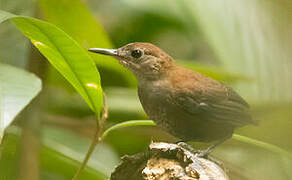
<point x="15" y="93"/>
<point x="227" y="41"/>
<point x="84" y="28"/>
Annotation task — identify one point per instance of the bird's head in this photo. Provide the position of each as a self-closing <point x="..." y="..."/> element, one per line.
<point x="144" y="59"/>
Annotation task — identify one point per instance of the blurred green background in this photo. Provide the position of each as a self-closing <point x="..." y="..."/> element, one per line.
<point x="245" y="43"/>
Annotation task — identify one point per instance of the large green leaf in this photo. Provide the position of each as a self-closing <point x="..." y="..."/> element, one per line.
<point x="60" y="155"/>
<point x="103" y="159"/>
<point x="17" y="89"/>
<point x="78" y="22"/>
<point x="65" y="54"/>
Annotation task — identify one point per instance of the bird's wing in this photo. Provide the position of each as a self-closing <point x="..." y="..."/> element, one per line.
<point x="215" y="102"/>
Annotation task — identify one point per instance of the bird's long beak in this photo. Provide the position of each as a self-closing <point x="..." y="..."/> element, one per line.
<point x="110" y="52"/>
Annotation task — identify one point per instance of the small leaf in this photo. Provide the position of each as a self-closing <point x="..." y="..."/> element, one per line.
<point x="17" y="89"/>
<point x="65" y="54"/>
<point x="128" y="124"/>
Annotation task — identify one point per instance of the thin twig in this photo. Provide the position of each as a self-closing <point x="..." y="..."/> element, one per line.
<point x="96" y="139"/>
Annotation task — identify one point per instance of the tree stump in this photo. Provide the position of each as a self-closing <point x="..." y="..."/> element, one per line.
<point x="165" y="161"/>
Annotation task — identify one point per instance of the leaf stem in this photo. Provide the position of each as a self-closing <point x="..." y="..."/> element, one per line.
<point x="96" y="139"/>
<point x="89" y="152"/>
<point x="127" y="124"/>
<point x="261" y="144"/>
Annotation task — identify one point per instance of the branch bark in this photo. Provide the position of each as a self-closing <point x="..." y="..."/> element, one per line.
<point x="167" y="161"/>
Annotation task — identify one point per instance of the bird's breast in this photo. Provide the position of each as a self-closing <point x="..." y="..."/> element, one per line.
<point x="154" y="92"/>
<point x="153" y="95"/>
<point x="155" y="99"/>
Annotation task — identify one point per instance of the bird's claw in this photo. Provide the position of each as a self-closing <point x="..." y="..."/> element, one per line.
<point x="198" y="152"/>
<point x="186" y="146"/>
<point x="203" y="153"/>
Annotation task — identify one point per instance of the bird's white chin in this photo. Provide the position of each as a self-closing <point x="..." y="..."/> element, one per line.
<point x="129" y="65"/>
<point x="124" y="63"/>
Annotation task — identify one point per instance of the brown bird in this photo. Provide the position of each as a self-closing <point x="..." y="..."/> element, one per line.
<point x="187" y="104"/>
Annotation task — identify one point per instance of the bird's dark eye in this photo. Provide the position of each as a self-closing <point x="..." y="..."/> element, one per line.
<point x="136" y="53"/>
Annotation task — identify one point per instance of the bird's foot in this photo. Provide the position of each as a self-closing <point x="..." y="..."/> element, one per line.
<point x="187" y="147"/>
<point x="198" y="152"/>
<point x="202" y="153"/>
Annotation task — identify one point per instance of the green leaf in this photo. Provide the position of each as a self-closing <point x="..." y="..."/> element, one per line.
<point x="10" y="153"/>
<point x="60" y="155"/>
<point x="103" y="159"/>
<point x="65" y="54"/>
<point x="57" y="163"/>
<point x="128" y="124"/>
<point x="81" y="25"/>
<point x="17" y="89"/>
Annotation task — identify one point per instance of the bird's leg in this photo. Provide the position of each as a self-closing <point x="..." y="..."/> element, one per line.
<point x="187" y="147"/>
<point x="207" y="151"/>
<point x="197" y="152"/>
<point x="200" y="152"/>
<point x="203" y="153"/>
